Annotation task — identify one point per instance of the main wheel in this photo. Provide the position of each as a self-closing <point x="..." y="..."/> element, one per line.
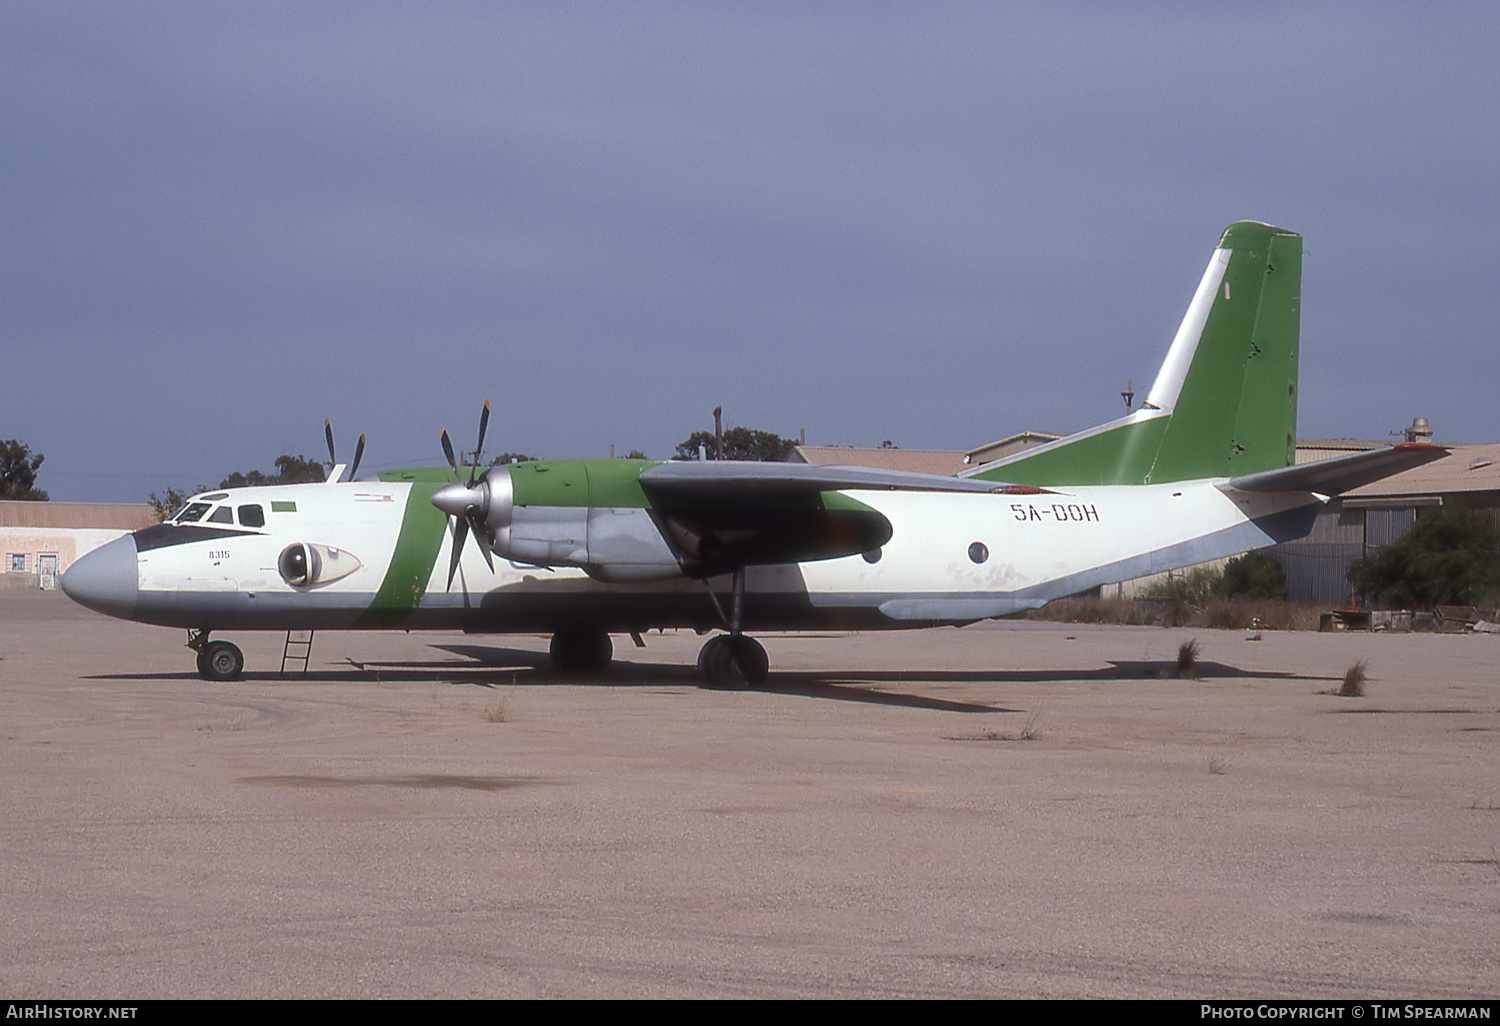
<point x="581" y="650"/>
<point x="220" y="660"/>
<point x="733" y="661"/>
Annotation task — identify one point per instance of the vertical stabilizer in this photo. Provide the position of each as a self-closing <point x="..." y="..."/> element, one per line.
<point x="1224" y="403"/>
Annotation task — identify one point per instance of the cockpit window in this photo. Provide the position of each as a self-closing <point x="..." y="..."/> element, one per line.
<point x="222" y="515"/>
<point x="193" y="513"/>
<point x="252" y="516"/>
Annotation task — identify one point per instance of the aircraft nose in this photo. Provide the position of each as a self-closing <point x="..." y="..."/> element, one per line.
<point x="106" y="579"/>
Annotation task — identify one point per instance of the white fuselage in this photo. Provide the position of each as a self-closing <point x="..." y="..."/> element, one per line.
<point x="951" y="558"/>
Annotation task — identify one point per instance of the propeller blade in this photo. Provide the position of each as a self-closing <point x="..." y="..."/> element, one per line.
<point x="482" y="540"/>
<point x="448" y="452"/>
<point x="359" y="450"/>
<point x="462" y="502"/>
<point x="484" y="422"/>
<point x="460" y="532"/>
<point x="328" y="434"/>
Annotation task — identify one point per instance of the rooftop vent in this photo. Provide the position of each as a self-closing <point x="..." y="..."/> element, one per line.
<point x="1420" y="430"/>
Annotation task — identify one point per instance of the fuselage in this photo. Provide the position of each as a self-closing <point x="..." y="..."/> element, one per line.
<point x="376" y="555"/>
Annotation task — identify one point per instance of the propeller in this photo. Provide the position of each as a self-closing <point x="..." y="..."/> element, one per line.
<point x="466" y="504"/>
<point x="359" y="450"/>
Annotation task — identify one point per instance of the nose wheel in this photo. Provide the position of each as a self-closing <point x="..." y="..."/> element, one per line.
<point x="219" y="660"/>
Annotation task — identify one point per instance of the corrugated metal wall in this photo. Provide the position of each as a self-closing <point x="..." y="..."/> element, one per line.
<point x="1317" y="566"/>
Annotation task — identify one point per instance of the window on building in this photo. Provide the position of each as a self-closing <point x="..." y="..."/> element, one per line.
<point x="16" y="563"/>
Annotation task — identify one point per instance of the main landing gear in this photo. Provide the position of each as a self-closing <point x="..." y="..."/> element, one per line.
<point x="727" y="661"/>
<point x="733" y="660"/>
<point x="581" y="650"/>
<point x="217" y="660"/>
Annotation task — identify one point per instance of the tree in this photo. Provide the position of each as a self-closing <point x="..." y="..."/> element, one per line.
<point x="18" y="471"/>
<point x="739" y="444"/>
<point x="1254" y="575"/>
<point x="289" y="470"/>
<point x="1451" y="557"/>
<point x="168" y="503"/>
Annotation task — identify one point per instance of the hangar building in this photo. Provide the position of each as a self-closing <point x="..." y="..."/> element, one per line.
<point x="39" y="540"/>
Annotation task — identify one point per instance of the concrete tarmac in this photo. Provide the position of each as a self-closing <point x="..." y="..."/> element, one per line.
<point x="1005" y="810"/>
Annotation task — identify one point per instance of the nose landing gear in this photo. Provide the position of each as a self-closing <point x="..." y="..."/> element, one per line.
<point x="217" y="660"/>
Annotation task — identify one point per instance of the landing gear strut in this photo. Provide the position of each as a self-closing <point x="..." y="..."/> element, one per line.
<point x="733" y="660"/>
<point x="217" y="660"/>
<point x="581" y="650"/>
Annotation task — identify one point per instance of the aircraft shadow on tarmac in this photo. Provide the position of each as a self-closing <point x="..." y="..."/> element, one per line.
<point x="495" y="666"/>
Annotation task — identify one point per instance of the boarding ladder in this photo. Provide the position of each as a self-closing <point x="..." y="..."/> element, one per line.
<point x="298" y="648"/>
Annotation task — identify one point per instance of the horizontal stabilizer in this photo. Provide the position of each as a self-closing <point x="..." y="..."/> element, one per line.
<point x="1342" y="473"/>
<point x="717" y="479"/>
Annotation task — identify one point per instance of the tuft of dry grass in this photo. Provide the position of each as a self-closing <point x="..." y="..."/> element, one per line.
<point x="1029" y="731"/>
<point x="1354" y="681"/>
<point x="1218" y="765"/>
<point x="1187" y="660"/>
<point x="497" y="712"/>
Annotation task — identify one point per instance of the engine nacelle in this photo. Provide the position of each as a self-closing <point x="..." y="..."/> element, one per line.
<point x="611" y="542"/>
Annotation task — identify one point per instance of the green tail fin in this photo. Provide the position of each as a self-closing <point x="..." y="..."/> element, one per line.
<point x="1224" y="403"/>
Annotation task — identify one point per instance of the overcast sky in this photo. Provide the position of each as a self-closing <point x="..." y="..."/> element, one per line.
<point x="935" y="223"/>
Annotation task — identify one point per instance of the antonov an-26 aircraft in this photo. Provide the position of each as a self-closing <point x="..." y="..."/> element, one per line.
<point x="585" y="548"/>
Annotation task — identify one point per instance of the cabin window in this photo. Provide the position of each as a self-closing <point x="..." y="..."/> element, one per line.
<point x="222" y="515"/>
<point x="252" y="516"/>
<point x="193" y="513"/>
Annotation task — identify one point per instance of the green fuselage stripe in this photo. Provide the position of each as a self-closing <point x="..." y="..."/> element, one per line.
<point x="422" y="527"/>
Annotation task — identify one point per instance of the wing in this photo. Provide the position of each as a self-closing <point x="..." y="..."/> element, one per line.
<point x="720" y="515"/>
<point x="710" y="479"/>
